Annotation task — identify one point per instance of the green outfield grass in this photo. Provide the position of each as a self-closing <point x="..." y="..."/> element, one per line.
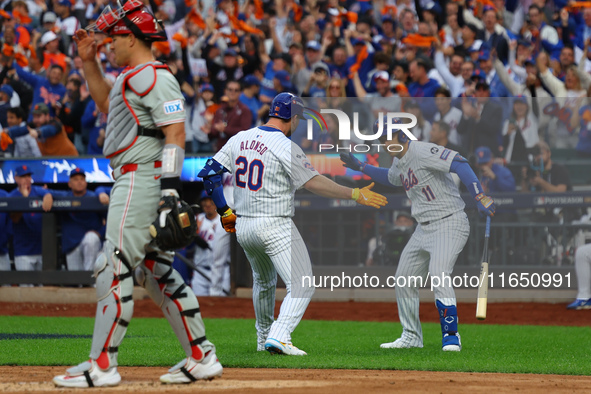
<point x="330" y="344"/>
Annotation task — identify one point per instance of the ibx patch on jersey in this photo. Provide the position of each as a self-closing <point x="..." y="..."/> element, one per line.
<point x="173" y="107"/>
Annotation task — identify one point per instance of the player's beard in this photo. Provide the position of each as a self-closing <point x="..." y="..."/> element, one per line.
<point x="293" y="126"/>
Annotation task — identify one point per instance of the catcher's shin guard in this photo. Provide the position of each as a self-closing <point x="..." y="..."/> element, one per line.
<point x="178" y="302"/>
<point x="114" y="288"/>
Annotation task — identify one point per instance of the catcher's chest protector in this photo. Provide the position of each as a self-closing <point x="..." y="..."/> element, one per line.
<point x="122" y="123"/>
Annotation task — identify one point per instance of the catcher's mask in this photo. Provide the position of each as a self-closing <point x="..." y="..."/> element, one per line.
<point x="130" y="18"/>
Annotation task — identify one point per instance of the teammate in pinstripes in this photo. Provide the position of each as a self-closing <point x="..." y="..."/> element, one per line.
<point x="583" y="271"/>
<point x="211" y="230"/>
<point x="268" y="168"/>
<point x="423" y="169"/>
<point x="220" y="269"/>
<point x="145" y="140"/>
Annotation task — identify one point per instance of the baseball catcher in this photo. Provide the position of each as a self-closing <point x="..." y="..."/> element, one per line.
<point x="144" y="140"/>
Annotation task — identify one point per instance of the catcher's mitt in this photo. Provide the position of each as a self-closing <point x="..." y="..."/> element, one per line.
<point x="175" y="226"/>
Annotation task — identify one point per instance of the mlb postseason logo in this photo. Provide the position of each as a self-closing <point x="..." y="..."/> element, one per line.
<point x="345" y="127"/>
<point x="35" y="203"/>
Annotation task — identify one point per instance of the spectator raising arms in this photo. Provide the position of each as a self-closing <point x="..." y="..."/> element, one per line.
<point x="567" y="94"/>
<point x="520" y="131"/>
<point x="48" y="91"/>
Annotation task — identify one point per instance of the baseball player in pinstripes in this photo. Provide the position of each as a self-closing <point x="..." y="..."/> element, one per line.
<point x="220" y="268"/>
<point x="213" y="277"/>
<point x="145" y="140"/>
<point x="583" y="271"/>
<point x="268" y="168"/>
<point x="423" y="169"/>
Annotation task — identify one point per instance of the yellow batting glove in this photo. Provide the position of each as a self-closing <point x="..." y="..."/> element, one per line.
<point x="366" y="197"/>
<point x="228" y="220"/>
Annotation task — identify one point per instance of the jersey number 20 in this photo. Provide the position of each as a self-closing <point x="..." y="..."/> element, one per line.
<point x="254" y="173"/>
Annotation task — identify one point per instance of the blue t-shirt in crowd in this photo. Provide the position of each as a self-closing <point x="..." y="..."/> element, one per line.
<point x="315" y="91"/>
<point x="253" y="104"/>
<point x="267" y="88"/>
<point x="89" y="122"/>
<point x="43" y="91"/>
<point x="425" y="93"/>
<point x="504" y="181"/>
<point x="415" y="89"/>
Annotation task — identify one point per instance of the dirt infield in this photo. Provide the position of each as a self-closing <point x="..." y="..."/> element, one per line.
<point x="310" y="381"/>
<point x="212" y="307"/>
<point x="144" y="379"/>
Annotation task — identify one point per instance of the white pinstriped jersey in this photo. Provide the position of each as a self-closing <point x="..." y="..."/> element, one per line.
<point x="228" y="184"/>
<point x="207" y="228"/>
<point x="424" y="173"/>
<point x="268" y="168"/>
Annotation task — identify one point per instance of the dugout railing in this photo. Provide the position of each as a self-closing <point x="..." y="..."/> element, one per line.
<point x="528" y="231"/>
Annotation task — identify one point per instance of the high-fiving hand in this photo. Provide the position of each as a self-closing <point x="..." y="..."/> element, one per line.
<point x="351" y="162"/>
<point x="365" y="196"/>
<point x="228" y="220"/>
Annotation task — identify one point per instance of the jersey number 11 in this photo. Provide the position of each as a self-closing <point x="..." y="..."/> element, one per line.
<point x="428" y="193"/>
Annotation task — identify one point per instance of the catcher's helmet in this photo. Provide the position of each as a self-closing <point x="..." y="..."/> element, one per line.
<point x="401" y="136"/>
<point x="286" y="106"/>
<point x="130" y="18"/>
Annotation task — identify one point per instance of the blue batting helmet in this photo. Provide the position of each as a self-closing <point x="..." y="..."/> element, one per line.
<point x="401" y="136"/>
<point x="286" y="106"/>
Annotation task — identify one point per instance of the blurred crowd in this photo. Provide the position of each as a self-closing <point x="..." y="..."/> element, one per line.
<point x="500" y="74"/>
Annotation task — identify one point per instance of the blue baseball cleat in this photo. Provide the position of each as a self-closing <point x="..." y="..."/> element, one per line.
<point x="579" y="304"/>
<point x="451" y="342"/>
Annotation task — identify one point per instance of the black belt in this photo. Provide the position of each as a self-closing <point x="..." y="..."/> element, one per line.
<point x="433" y="221"/>
<point x="155" y="133"/>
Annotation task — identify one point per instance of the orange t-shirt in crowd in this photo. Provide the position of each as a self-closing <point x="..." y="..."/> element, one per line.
<point x="23" y="36"/>
<point x="50" y="59"/>
<point x="59" y="144"/>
